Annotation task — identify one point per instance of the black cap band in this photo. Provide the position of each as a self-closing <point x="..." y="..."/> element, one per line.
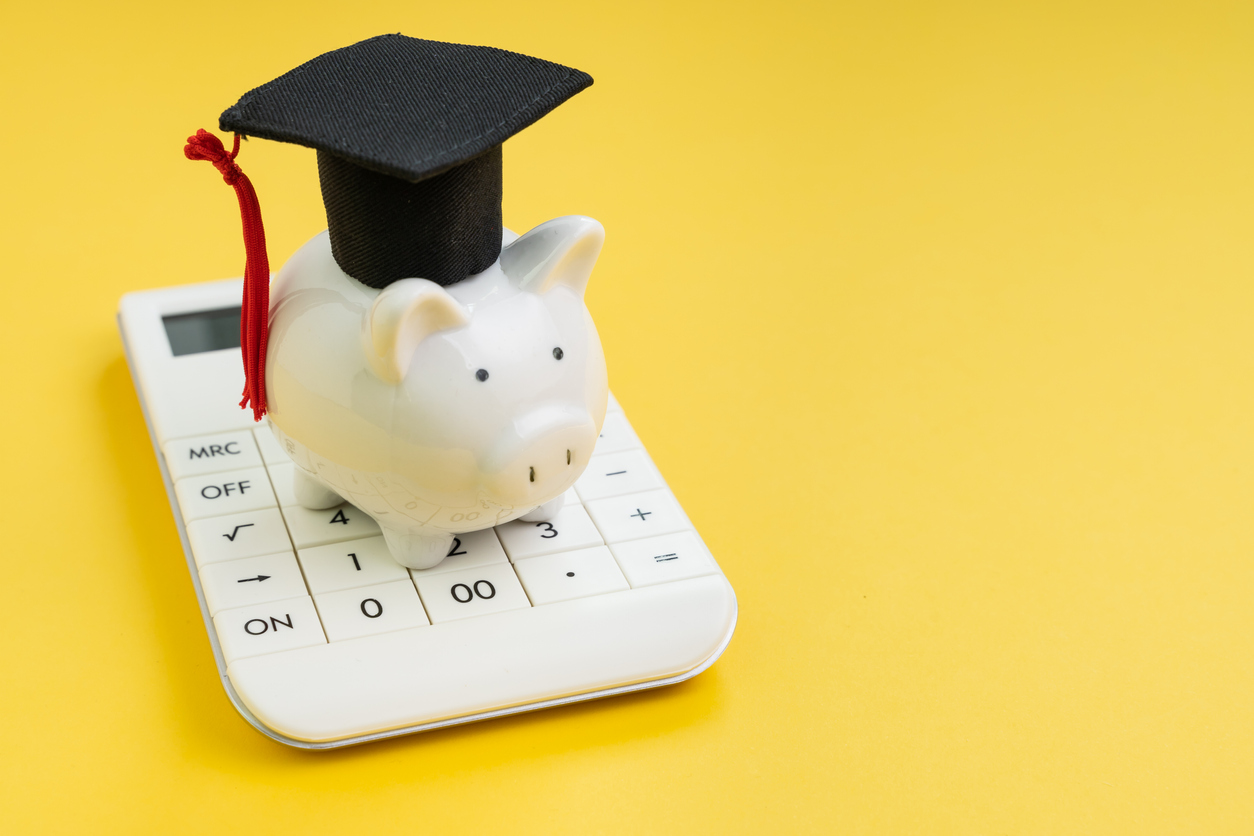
<point x="443" y="228"/>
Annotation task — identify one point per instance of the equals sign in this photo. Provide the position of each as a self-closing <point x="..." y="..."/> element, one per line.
<point x="661" y="558"/>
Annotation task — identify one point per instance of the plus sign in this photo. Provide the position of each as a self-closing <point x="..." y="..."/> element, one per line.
<point x="641" y="514"/>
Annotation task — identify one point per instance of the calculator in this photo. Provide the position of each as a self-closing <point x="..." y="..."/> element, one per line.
<point x="322" y="640"/>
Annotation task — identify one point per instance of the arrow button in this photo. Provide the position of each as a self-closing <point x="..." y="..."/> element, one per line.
<point x="251" y="580"/>
<point x="258" y="578"/>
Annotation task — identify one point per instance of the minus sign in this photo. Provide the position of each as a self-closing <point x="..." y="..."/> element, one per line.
<point x="616" y="473"/>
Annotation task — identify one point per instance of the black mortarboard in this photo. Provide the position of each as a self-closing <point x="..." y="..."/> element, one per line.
<point x="408" y="134"/>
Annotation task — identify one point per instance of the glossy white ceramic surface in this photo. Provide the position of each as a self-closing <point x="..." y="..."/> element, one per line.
<point x="439" y="411"/>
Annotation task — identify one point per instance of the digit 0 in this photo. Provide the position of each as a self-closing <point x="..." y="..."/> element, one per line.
<point x="464" y="594"/>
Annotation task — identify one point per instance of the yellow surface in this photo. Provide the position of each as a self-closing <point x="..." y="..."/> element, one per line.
<point x="937" y="317"/>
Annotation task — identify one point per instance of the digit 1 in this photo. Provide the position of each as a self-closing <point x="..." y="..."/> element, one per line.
<point x="356" y="565"/>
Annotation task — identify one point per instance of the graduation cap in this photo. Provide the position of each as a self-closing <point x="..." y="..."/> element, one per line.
<point x="408" y="134"/>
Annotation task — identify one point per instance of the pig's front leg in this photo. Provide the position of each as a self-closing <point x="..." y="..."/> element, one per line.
<point x="312" y="494"/>
<point x="545" y="512"/>
<point x="417" y="548"/>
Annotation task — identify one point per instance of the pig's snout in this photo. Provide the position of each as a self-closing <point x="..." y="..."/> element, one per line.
<point x="539" y="455"/>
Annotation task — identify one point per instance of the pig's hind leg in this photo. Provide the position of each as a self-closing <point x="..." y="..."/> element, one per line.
<point x="311" y="493"/>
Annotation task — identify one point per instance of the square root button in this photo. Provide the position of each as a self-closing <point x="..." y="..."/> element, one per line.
<point x="233" y="536"/>
<point x="637" y="516"/>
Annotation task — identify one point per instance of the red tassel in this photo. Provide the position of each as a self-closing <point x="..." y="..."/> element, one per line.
<point x="254" y="321"/>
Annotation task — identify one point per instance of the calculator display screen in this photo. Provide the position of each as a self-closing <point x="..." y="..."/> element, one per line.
<point x="193" y="333"/>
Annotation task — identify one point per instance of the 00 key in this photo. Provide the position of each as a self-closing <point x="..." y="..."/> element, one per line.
<point x="479" y="590"/>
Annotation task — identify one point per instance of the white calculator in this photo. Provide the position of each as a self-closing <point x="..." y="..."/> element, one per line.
<point x="322" y="640"/>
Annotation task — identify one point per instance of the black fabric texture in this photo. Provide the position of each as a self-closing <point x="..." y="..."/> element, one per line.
<point x="403" y="106"/>
<point x="408" y="134"/>
<point x="444" y="228"/>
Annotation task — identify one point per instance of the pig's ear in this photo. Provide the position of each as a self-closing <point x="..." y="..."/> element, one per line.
<point x="402" y="316"/>
<point x="557" y="252"/>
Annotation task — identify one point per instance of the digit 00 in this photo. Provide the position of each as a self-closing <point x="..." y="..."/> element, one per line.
<point x="464" y="594"/>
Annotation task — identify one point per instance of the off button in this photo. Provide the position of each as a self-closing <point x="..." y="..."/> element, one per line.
<point x="229" y="492"/>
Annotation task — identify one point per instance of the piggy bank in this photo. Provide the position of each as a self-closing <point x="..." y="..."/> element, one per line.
<point x="440" y="410"/>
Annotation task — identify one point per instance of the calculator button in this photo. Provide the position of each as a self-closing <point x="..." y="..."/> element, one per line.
<point x="268" y="628"/>
<point x="672" y="557"/>
<point x="313" y="528"/>
<point x="569" y="529"/>
<point x="252" y="580"/>
<point x="349" y="564"/>
<point x="615" y="474"/>
<point x="616" y="435"/>
<point x="637" y="515"/>
<point x="478" y="548"/>
<point x="351" y="613"/>
<point x="470" y="592"/>
<point x="211" y="454"/>
<point x="281" y="478"/>
<point x="229" y="492"/>
<point x="249" y="534"/>
<point x="566" y="575"/>
<point x="271" y="451"/>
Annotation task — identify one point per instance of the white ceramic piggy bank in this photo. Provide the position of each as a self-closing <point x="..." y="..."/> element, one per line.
<point x="439" y="411"/>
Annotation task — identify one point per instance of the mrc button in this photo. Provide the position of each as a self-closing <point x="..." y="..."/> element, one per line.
<point x="229" y="492"/>
<point x="211" y="454"/>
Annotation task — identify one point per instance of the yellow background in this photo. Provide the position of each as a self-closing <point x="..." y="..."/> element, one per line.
<point x="937" y="317"/>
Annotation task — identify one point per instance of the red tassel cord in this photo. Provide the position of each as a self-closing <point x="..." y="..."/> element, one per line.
<point x="254" y="321"/>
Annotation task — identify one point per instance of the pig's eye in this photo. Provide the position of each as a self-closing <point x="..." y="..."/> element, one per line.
<point x="558" y="354"/>
<point x="482" y="374"/>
